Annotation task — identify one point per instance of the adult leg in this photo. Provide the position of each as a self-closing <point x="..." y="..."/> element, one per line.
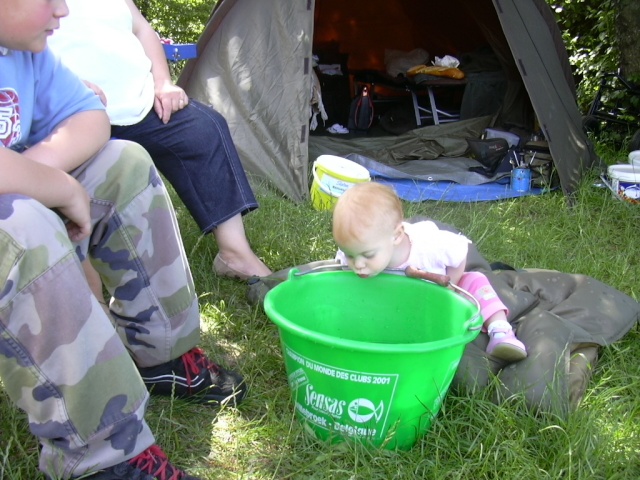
<point x="236" y="258"/>
<point x="60" y="359"/>
<point x="196" y="154"/>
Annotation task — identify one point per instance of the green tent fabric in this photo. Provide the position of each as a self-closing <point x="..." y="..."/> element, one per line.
<point x="255" y="66"/>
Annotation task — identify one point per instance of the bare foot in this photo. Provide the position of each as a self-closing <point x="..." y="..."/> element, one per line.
<point x="238" y="267"/>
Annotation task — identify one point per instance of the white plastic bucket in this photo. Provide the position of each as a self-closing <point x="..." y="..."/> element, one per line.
<point x="625" y="182"/>
<point x="332" y="176"/>
<point x="634" y="158"/>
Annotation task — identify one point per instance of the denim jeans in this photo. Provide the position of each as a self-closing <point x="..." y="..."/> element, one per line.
<point x="195" y="153"/>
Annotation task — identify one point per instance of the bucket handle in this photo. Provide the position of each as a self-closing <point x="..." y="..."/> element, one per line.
<point x="329" y="267"/>
<point x="475" y="322"/>
<point x="608" y="184"/>
<point x="323" y="188"/>
<point x="445" y="281"/>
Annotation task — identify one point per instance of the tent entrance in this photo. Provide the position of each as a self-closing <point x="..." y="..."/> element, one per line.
<point x="255" y="61"/>
<point x="365" y="41"/>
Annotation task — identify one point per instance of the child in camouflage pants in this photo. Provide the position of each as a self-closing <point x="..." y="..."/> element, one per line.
<point x="62" y="361"/>
<point x="68" y="195"/>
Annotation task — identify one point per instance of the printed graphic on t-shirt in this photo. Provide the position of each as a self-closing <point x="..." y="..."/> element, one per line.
<point x="9" y="117"/>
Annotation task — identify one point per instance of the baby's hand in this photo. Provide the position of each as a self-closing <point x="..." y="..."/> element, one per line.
<point x="443" y="280"/>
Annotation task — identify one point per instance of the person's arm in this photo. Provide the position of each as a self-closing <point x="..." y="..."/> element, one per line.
<point x="169" y="97"/>
<point x="72" y="141"/>
<point x="50" y="186"/>
<point x="455" y="273"/>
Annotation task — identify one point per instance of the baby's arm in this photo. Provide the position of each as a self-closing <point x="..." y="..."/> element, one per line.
<point x="50" y="186"/>
<point x="72" y="141"/>
<point x="455" y="273"/>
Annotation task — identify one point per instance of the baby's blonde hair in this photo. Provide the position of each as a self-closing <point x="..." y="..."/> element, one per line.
<point x="365" y="206"/>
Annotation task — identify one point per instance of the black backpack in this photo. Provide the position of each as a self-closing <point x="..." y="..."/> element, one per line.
<point x="493" y="154"/>
<point x="361" y="112"/>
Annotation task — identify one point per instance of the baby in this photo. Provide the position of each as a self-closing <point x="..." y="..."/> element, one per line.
<point x="371" y="234"/>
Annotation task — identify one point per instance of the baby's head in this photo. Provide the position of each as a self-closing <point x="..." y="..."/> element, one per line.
<point x="367" y="226"/>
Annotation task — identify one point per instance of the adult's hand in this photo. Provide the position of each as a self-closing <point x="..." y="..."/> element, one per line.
<point x="169" y="99"/>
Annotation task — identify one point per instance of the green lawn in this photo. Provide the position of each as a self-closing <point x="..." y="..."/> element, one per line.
<point x="471" y="438"/>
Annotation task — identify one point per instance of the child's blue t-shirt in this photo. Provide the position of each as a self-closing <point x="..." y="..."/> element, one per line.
<point x="37" y="92"/>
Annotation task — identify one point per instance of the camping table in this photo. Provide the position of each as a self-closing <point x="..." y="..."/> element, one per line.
<point x="429" y="82"/>
<point x="414" y="86"/>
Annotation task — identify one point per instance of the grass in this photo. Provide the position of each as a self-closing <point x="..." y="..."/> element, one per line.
<point x="471" y="438"/>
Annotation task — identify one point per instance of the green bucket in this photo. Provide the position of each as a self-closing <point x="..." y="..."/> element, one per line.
<point x="370" y="359"/>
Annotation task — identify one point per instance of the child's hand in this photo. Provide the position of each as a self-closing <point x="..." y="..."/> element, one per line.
<point x="442" y="280"/>
<point x="77" y="212"/>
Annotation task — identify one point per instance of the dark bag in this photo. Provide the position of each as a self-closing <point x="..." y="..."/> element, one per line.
<point x="361" y="111"/>
<point x="491" y="153"/>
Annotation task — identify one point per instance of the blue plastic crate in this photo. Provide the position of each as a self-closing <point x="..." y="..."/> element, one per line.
<point x="180" y="51"/>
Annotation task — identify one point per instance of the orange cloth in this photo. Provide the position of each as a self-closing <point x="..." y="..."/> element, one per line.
<point x="450" y="72"/>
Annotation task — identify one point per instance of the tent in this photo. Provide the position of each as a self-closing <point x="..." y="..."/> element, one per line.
<point x="254" y="65"/>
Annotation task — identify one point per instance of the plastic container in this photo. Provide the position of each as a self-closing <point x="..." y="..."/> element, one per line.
<point x="180" y="51"/>
<point x="512" y="139"/>
<point x="370" y="359"/>
<point x="332" y="176"/>
<point x="634" y="158"/>
<point x="521" y="179"/>
<point x="625" y="182"/>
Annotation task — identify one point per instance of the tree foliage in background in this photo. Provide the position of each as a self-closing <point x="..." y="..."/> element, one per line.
<point x="180" y="20"/>
<point x="589" y="34"/>
<point x="628" y="37"/>
<point x="602" y="36"/>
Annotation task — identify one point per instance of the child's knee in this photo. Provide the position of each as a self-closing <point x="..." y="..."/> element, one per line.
<point x="120" y="171"/>
<point x="473" y="281"/>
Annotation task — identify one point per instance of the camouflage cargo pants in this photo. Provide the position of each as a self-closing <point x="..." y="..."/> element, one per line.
<point x="61" y="359"/>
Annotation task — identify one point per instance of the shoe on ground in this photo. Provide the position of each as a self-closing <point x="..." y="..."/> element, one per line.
<point x="504" y="345"/>
<point x="193" y="376"/>
<point x="337" y="128"/>
<point x="151" y="464"/>
<point x="223" y="269"/>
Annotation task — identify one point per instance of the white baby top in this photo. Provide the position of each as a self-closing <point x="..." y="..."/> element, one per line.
<point x="96" y="41"/>
<point x="432" y="249"/>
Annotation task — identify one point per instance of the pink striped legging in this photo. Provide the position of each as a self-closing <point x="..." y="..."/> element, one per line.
<point x="477" y="284"/>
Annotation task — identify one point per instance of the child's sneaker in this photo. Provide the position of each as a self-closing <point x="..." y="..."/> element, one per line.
<point x="504" y="345"/>
<point x="194" y="376"/>
<point x="152" y="464"/>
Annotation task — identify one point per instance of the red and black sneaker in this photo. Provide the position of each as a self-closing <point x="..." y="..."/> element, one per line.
<point x="194" y="376"/>
<point x="152" y="464"/>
